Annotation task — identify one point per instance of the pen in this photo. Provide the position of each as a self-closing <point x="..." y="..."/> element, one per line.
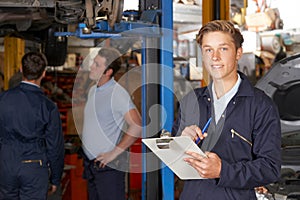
<point x="204" y="129"/>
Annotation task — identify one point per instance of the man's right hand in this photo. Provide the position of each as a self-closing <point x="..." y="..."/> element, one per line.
<point x="194" y="132"/>
<point x="52" y="189"/>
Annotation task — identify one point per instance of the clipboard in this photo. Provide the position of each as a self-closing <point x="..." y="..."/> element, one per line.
<point x="171" y="151"/>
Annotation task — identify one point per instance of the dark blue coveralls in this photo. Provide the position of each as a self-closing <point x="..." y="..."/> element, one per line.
<point x="31" y="143"/>
<point x="249" y="160"/>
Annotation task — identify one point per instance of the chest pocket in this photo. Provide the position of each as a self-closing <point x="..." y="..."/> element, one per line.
<point x="239" y="143"/>
<point x="235" y="135"/>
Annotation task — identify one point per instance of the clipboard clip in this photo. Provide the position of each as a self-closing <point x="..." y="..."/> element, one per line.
<point x="164" y="141"/>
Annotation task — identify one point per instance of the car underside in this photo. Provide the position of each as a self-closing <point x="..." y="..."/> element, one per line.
<point x="38" y="20"/>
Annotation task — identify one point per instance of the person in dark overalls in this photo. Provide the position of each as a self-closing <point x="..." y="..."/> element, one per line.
<point x="242" y="143"/>
<point x="31" y="139"/>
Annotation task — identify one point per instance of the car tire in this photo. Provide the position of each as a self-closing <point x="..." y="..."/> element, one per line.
<point x="55" y="48"/>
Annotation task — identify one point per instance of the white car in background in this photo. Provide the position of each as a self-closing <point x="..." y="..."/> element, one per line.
<point x="282" y="84"/>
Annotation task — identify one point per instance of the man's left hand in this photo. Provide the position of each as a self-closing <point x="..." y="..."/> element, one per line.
<point x="106" y="158"/>
<point x="207" y="167"/>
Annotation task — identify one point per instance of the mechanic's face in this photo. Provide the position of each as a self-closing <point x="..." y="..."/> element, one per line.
<point x="220" y="56"/>
<point x="97" y="68"/>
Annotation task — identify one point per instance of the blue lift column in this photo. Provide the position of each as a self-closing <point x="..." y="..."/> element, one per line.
<point x="166" y="91"/>
<point x="157" y="88"/>
<point x="157" y="83"/>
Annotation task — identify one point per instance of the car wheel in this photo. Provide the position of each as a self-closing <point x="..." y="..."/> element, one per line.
<point x="55" y="48"/>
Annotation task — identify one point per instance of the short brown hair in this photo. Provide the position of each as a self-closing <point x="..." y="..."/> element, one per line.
<point x="221" y="26"/>
<point x="113" y="58"/>
<point x="33" y="65"/>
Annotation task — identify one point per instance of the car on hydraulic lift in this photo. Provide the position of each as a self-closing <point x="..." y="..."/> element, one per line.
<point x="38" y="20"/>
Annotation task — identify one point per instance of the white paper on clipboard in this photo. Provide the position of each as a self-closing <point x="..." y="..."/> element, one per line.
<point x="174" y="155"/>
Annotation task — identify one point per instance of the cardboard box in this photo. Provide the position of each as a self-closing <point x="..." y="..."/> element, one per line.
<point x="261" y="21"/>
<point x="71" y="60"/>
